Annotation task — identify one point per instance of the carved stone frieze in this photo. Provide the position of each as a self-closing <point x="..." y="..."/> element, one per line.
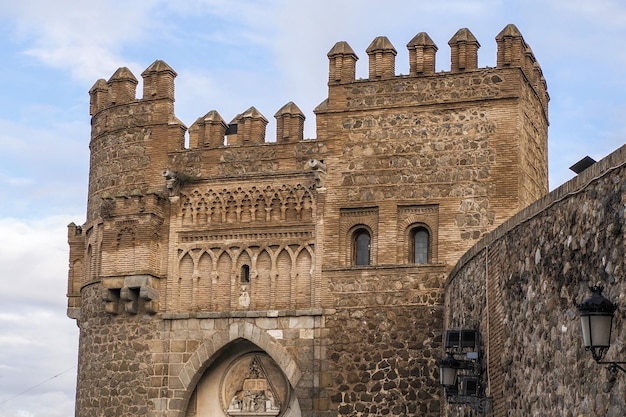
<point x="285" y="203"/>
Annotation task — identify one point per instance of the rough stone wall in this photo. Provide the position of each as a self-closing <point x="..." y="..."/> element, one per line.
<point x="447" y="149"/>
<point x="519" y="284"/>
<point x="116" y="362"/>
<point x="386" y="336"/>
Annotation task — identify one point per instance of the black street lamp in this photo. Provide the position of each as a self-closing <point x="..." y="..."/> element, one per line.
<point x="462" y="378"/>
<point x="596" y="319"/>
<point x="448" y="368"/>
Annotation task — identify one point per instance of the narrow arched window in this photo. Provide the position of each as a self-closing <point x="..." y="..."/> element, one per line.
<point x="90" y="262"/>
<point x="420" y="242"/>
<point x="361" y="247"/>
<point x="245" y="274"/>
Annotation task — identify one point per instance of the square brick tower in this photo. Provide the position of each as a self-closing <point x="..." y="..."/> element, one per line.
<point x="239" y="277"/>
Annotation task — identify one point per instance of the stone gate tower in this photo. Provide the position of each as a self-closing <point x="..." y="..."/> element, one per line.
<point x="301" y="277"/>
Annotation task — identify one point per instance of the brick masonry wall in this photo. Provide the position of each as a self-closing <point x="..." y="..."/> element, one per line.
<point x="518" y="285"/>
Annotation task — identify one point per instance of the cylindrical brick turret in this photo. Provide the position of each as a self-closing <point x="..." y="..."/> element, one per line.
<point x="214" y="130"/>
<point x="158" y="81"/>
<point x="98" y="96"/>
<point x="251" y="128"/>
<point x="122" y="86"/>
<point x="289" y="123"/>
<point x="511" y="47"/>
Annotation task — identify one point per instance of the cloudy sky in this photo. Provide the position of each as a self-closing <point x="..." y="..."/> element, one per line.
<point x="229" y="55"/>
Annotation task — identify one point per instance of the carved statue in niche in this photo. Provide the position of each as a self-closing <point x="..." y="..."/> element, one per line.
<point x="244" y="297"/>
<point x="254" y="386"/>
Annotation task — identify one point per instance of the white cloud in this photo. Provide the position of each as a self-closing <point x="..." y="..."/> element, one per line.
<point x="43" y="168"/>
<point x="89" y="38"/>
<point x="603" y="14"/>
<point x="83" y="37"/>
<point x="37" y="340"/>
<point x="33" y="261"/>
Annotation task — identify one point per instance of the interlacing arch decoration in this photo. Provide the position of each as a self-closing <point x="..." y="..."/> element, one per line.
<point x="126" y="236"/>
<point x="287" y="203"/>
<point x="209" y="277"/>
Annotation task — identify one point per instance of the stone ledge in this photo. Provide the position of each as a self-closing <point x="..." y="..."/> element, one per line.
<point x="393" y="267"/>
<point x="245" y="314"/>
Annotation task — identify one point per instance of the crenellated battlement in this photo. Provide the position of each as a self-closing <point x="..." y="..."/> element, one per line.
<point x="248" y="128"/>
<point x="144" y="136"/>
<point x="158" y="83"/>
<point x="512" y="52"/>
<point x="134" y="139"/>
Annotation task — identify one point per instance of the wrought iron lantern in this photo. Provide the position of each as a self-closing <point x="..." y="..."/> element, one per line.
<point x="596" y="319"/>
<point x="448" y="369"/>
<point x="462" y="378"/>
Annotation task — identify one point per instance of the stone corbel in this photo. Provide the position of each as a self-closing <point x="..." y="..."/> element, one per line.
<point x="112" y="286"/>
<point x="319" y="171"/>
<point x="150" y="296"/>
<point x="132" y="292"/>
<point x="130" y="296"/>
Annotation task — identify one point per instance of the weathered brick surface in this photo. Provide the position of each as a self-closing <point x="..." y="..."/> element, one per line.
<point x="194" y="257"/>
<point x="519" y="286"/>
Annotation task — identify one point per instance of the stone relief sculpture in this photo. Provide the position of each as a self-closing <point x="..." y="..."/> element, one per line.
<point x="244" y="298"/>
<point x="255" y="396"/>
<point x="319" y="169"/>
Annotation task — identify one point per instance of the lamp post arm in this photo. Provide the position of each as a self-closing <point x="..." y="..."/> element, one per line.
<point x="614" y="367"/>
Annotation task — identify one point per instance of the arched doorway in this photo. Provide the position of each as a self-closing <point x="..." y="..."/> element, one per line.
<point x="245" y="381"/>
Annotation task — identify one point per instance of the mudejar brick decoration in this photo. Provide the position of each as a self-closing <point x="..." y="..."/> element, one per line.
<point x="297" y="277"/>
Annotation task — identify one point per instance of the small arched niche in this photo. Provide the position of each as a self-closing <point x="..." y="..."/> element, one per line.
<point x="243" y="380"/>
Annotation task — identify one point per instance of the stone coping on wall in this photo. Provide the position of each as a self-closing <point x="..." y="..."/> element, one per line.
<point x="613" y="161"/>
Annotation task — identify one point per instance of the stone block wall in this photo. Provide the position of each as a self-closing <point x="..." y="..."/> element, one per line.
<point x="518" y="287"/>
<point x="116" y="370"/>
<point x="385" y="335"/>
<point x="133" y="365"/>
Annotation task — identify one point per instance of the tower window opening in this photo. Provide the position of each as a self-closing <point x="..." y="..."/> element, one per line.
<point x="245" y="274"/>
<point x="361" y="243"/>
<point x="420" y="246"/>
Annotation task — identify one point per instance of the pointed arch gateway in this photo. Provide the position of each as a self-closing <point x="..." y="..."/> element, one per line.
<point x="240" y="371"/>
